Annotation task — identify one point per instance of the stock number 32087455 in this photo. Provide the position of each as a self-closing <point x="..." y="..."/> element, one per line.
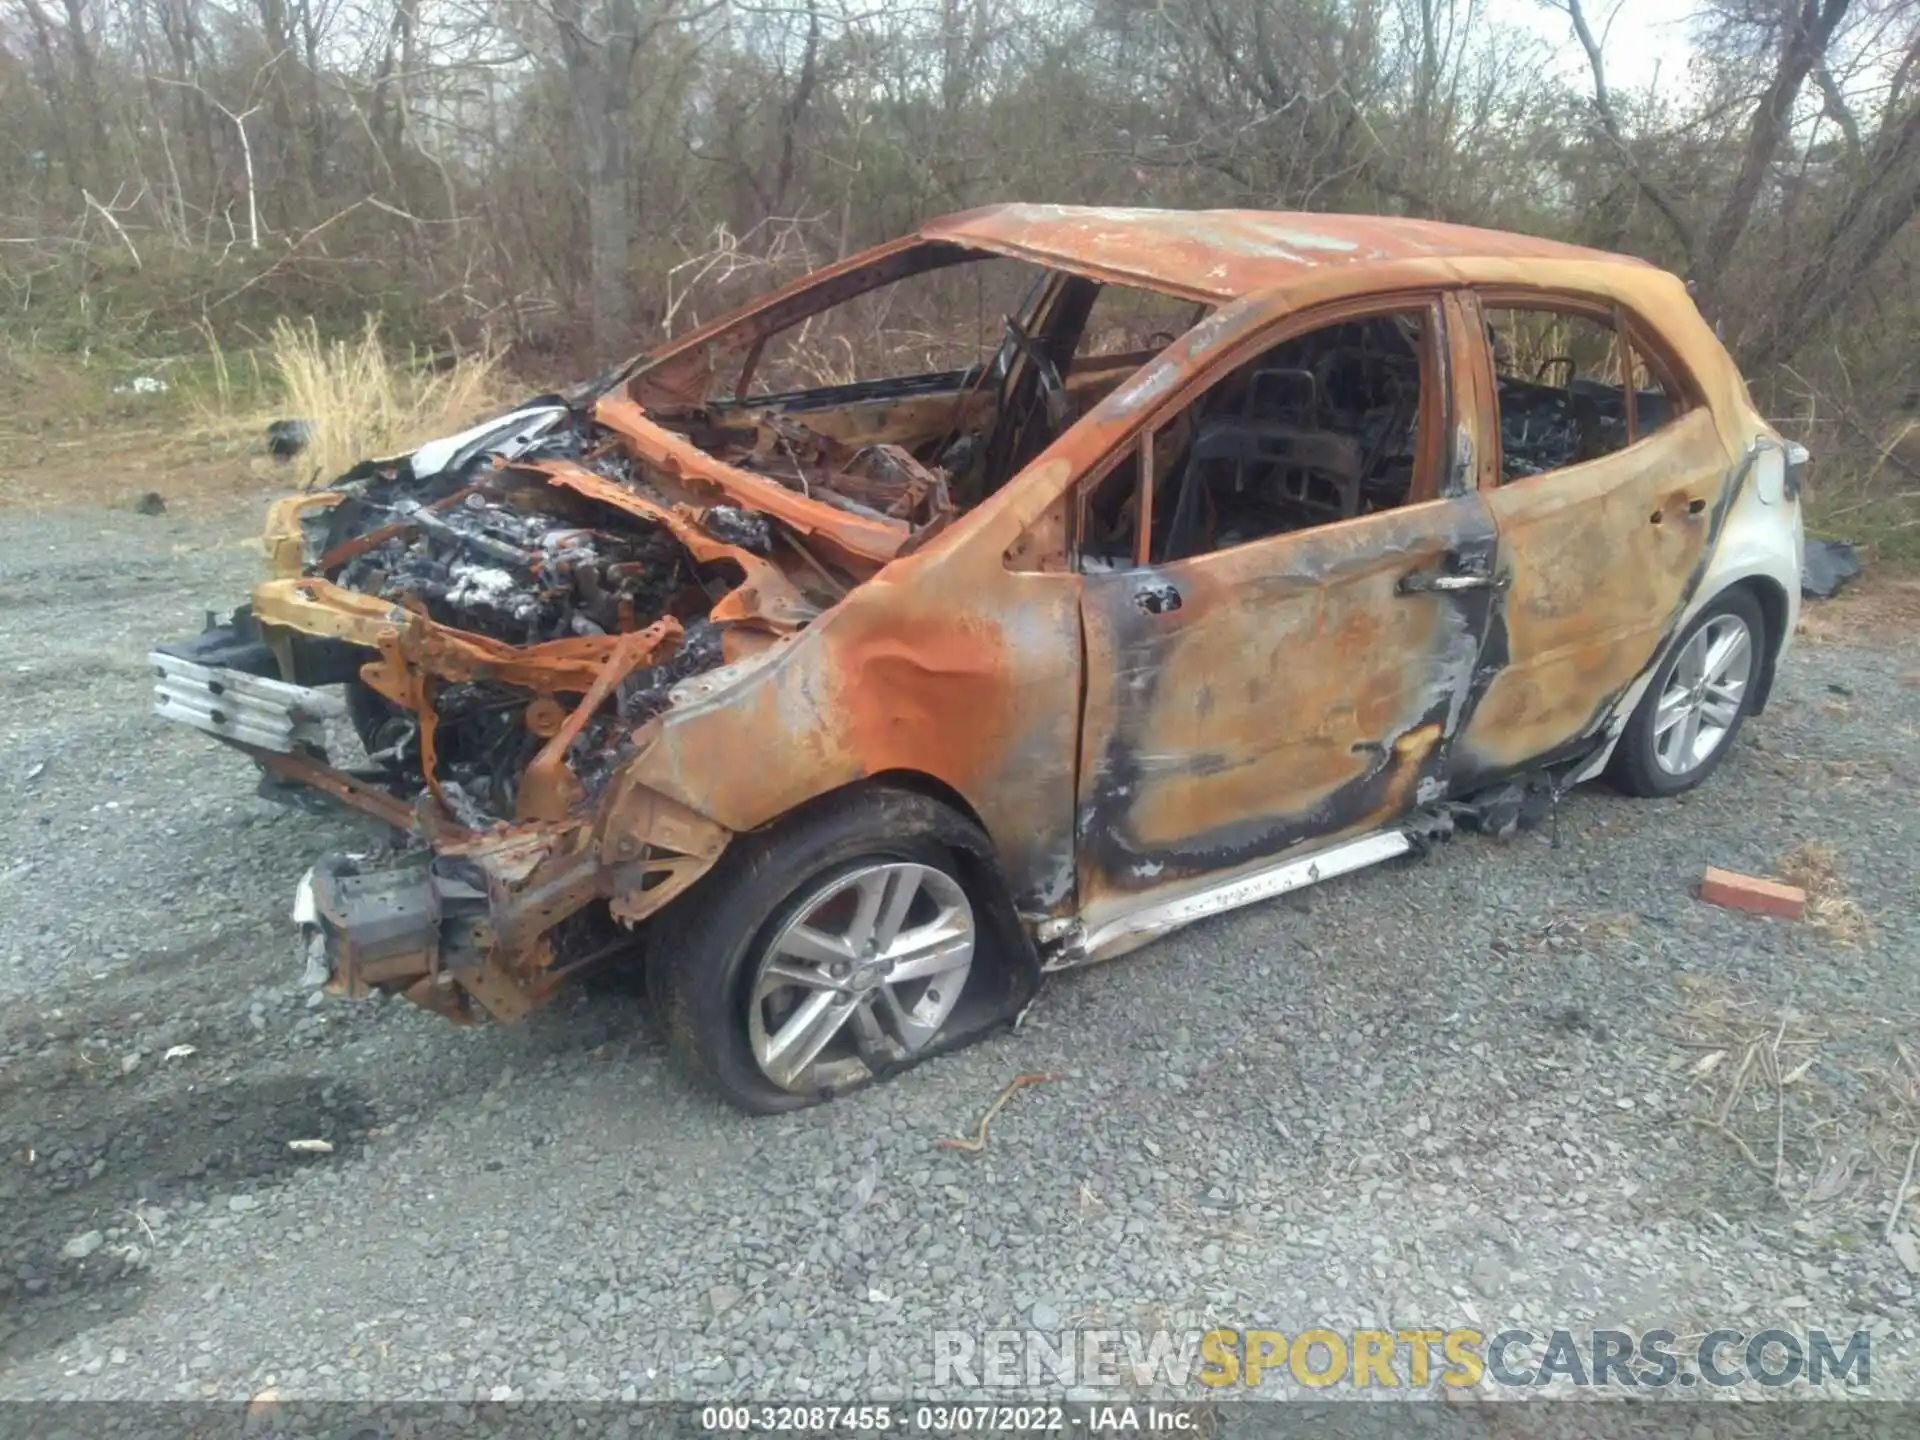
<point x="874" y="1419"/>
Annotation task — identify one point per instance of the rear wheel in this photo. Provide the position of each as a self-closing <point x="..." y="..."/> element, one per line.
<point x="842" y="944"/>
<point x="1686" y="722"/>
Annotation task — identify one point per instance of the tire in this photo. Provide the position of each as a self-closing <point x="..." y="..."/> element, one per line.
<point x="785" y="893"/>
<point x="1690" y="716"/>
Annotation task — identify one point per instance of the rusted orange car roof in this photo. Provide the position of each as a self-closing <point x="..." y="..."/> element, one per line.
<point x="1224" y="254"/>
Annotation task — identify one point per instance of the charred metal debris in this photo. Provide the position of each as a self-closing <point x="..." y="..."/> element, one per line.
<point x="553" y="566"/>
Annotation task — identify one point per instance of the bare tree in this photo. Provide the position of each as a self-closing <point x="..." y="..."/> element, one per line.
<point x="599" y="40"/>
<point x="1609" y="121"/>
<point x="239" y="119"/>
<point x="1806" y="29"/>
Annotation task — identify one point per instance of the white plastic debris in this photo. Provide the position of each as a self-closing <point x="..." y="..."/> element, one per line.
<point x="310" y="1147"/>
<point x="142" y="385"/>
<point x="179" y="1052"/>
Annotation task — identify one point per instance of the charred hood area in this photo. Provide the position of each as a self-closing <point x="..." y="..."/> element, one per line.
<point x="572" y="565"/>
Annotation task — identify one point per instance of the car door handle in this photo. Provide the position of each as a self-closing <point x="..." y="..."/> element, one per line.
<point x="1425" y="581"/>
<point x="1455" y="574"/>
<point x="1157" y="598"/>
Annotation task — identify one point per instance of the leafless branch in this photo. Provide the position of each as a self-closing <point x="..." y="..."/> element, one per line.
<point x="1610" y="126"/>
<point x="113" y="224"/>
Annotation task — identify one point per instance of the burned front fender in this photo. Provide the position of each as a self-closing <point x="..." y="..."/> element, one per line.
<point x="950" y="671"/>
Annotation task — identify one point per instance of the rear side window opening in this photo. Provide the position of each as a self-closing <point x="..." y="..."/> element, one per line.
<point x="1572" y="385"/>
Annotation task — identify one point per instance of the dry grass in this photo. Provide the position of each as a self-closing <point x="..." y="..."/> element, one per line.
<point x="361" y="398"/>
<point x="1814" y="867"/>
<point x="1584" y="929"/>
<point x="1881" y="607"/>
<point x="1821" y="1102"/>
<point x="364" y="400"/>
<point x="74" y="441"/>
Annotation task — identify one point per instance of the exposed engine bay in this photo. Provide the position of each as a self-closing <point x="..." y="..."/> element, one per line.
<point x="520" y="563"/>
<point x="565" y="548"/>
<point x="557" y="572"/>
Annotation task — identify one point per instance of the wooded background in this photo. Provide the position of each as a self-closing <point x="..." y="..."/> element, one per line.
<point x="574" y="177"/>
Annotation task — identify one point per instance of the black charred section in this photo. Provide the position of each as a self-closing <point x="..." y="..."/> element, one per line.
<point x="494" y="564"/>
<point x="496" y="552"/>
<point x="644" y="695"/>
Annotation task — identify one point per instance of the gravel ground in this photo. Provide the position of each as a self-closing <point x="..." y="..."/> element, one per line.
<point x="1461" y="1091"/>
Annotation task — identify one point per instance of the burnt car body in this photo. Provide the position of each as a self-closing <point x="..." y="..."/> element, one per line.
<point x="868" y="704"/>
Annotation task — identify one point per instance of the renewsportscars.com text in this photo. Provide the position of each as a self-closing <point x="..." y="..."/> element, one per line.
<point x="1322" y="1358"/>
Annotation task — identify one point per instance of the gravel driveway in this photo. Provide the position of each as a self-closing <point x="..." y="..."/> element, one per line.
<point x="1471" y="1089"/>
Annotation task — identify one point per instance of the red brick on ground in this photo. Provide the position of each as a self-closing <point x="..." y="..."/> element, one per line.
<point x="1745" y="892"/>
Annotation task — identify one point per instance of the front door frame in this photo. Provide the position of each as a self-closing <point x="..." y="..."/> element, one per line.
<point x="1449" y="535"/>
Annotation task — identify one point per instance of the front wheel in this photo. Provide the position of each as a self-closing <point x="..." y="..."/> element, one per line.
<point x="840" y="945"/>
<point x="1686" y="722"/>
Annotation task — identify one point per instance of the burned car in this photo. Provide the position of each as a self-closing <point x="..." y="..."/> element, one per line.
<point x="854" y="708"/>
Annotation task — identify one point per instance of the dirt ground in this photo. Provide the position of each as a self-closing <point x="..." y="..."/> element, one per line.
<point x="1527" y="1083"/>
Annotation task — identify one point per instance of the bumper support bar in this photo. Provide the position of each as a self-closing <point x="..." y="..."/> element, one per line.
<point x="249" y="709"/>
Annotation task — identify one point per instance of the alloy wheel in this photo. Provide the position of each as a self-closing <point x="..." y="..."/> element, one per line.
<point x="869" y="967"/>
<point x="1703" y="695"/>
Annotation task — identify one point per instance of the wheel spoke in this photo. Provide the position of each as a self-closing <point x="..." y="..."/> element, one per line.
<point x="913" y="1033"/>
<point x="1673" y="744"/>
<point x="804" y="1035"/>
<point x="1731" y="650"/>
<point x="872" y="890"/>
<point x="869" y="1038"/>
<point x="803" y="942"/>
<point x="1673" y="709"/>
<point x="781" y="974"/>
<point x="931" y="950"/>
<point x="1687" y="734"/>
<point x="1692" y="661"/>
<point x="904" y="886"/>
